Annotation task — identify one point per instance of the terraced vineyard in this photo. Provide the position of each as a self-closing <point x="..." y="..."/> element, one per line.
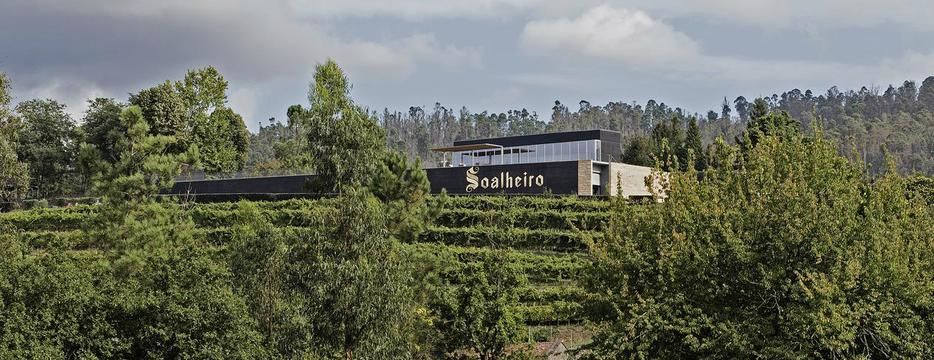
<point x="546" y="237"/>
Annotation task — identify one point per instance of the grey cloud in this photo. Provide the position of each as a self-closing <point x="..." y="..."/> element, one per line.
<point x="105" y="48"/>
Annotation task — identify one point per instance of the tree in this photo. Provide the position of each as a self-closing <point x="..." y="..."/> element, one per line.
<point x="477" y="311"/>
<point x="222" y="139"/>
<point x="7" y="115"/>
<point x="337" y="290"/>
<point x="102" y="127"/>
<point x="742" y="108"/>
<point x="48" y="141"/>
<point x="640" y="151"/>
<point x="219" y="132"/>
<point x="791" y="255"/>
<point x="194" y="111"/>
<point x="145" y="165"/>
<point x="725" y="110"/>
<point x="712" y="116"/>
<point x="767" y="123"/>
<point x="345" y="143"/>
<point x="172" y="297"/>
<point x="926" y="93"/>
<point x="694" y="146"/>
<point x="14" y="175"/>
<point x="292" y="150"/>
<point x="203" y="90"/>
<point x="165" y="110"/>
<point x="403" y="186"/>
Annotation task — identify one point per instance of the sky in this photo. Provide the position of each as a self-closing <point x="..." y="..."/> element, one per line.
<point x="486" y="55"/>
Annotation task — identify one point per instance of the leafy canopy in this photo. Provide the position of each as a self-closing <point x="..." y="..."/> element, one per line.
<point x="791" y="254"/>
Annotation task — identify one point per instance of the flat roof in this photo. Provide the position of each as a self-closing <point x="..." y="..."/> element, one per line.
<point x="547" y="138"/>
<point x="468" y="147"/>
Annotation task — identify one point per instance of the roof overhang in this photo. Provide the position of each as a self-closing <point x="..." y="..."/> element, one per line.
<point x="471" y="147"/>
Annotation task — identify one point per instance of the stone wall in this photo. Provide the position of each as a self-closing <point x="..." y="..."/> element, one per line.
<point x="584" y="173"/>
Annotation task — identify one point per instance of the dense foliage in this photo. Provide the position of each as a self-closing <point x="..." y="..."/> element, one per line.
<point x="47" y="140"/>
<point x="479" y="314"/>
<point x="792" y="255"/>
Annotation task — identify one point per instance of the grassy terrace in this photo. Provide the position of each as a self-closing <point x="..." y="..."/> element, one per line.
<point x="547" y="237"/>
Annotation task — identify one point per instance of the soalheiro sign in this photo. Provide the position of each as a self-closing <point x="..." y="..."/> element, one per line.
<point x="503" y="181"/>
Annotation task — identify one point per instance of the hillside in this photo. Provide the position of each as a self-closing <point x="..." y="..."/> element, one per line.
<point x="546" y="237"/>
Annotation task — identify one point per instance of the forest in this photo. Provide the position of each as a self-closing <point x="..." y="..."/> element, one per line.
<point x="798" y="227"/>
<point x="865" y="125"/>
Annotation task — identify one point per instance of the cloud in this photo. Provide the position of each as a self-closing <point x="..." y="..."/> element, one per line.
<point x="414" y="9"/>
<point x="102" y="47"/>
<point x="635" y="42"/>
<point x="771" y="14"/>
<point x="790" y="14"/>
<point x="627" y="36"/>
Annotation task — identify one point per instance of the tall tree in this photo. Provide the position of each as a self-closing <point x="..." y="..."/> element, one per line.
<point x="725" y="109"/>
<point x="167" y="113"/>
<point x="640" y="150"/>
<point x="48" y="141"/>
<point x="345" y="142"/>
<point x="102" y="127"/>
<point x="203" y="90"/>
<point x="220" y="132"/>
<point x="194" y="111"/>
<point x="7" y="115"/>
<point x="14" y="175"/>
<point x="742" y="108"/>
<point x="926" y="93"/>
<point x="694" y="145"/>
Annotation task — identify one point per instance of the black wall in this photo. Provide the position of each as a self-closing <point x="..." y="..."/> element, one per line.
<point x="557" y="177"/>
<point x="290" y="184"/>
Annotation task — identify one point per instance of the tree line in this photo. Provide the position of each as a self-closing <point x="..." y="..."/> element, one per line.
<point x="55" y="153"/>
<point x="864" y="124"/>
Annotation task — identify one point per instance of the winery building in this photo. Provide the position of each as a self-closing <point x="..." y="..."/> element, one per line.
<point x="575" y="163"/>
<point x="581" y="163"/>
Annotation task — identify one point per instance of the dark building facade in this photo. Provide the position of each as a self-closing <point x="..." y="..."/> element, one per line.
<point x="572" y="163"/>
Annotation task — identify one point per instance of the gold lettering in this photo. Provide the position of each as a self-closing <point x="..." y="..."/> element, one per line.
<point x="503" y="180"/>
<point x="472" y="179"/>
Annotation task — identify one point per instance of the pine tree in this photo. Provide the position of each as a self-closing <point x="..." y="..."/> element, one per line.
<point x="692" y="142"/>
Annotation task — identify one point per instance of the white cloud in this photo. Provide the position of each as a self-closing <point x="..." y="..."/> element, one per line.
<point x="630" y="37"/>
<point x="634" y="41"/>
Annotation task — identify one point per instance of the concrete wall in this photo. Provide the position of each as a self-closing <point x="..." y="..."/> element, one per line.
<point x="629" y="180"/>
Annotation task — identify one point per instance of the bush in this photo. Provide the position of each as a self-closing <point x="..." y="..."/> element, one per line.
<point x="509" y="237"/>
<point x="791" y="255"/>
